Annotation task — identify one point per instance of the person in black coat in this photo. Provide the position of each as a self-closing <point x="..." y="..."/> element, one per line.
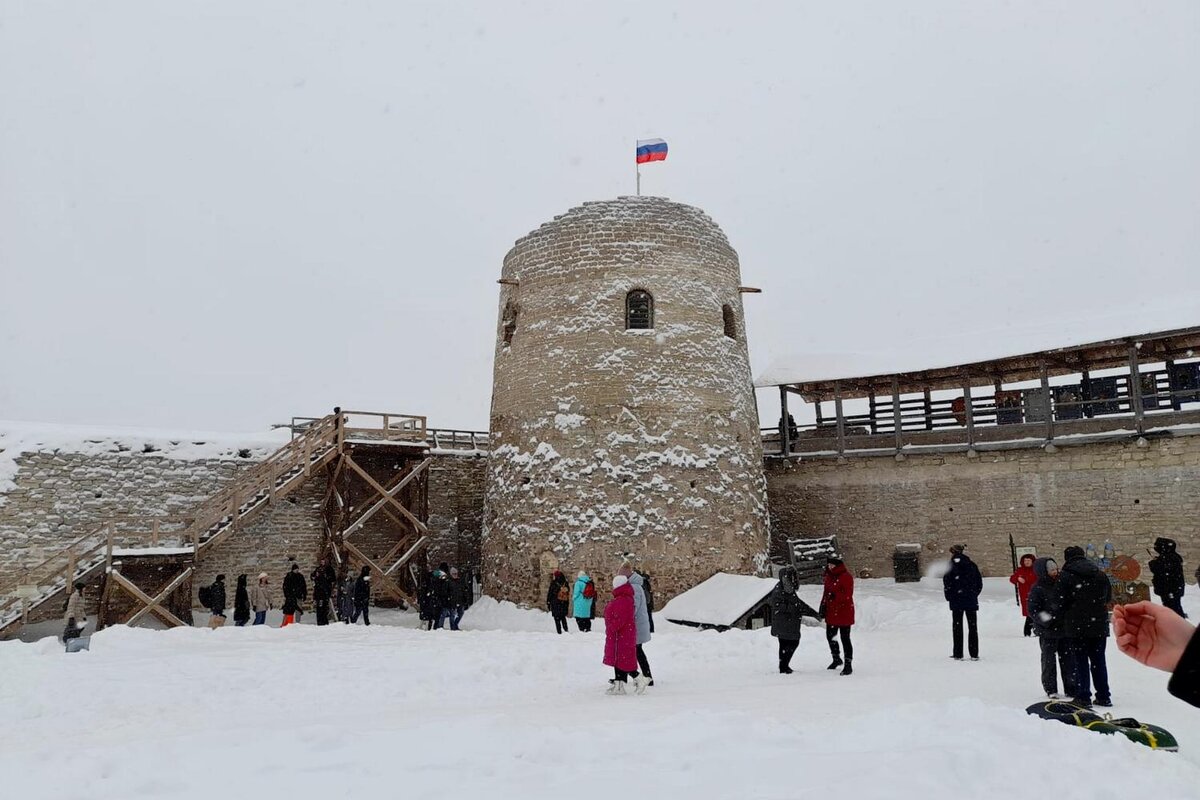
<point x="362" y="596"/>
<point x="439" y="591"/>
<point x="1080" y="599"/>
<point x="216" y="597"/>
<point x="649" y="592"/>
<point x="323" y="581"/>
<point x="1167" y="569"/>
<point x="241" y="602"/>
<point x="1048" y="629"/>
<point x="962" y="585"/>
<point x="558" y="599"/>
<point x="786" y="610"/>
<point x="295" y="592"/>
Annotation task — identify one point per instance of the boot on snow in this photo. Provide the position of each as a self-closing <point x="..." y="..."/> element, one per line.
<point x="837" y="662"/>
<point x="846" y="670"/>
<point x="617" y="687"/>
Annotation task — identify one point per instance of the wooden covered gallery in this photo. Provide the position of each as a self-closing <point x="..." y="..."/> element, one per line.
<point x="1049" y="398"/>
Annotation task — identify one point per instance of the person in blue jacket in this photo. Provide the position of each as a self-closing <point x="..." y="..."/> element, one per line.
<point x="962" y="585"/>
<point x="583" y="599"/>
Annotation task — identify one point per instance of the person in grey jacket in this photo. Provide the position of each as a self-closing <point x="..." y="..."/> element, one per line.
<point x="260" y="599"/>
<point x="75" y="616"/>
<point x="786" y="610"/>
<point x="641" y="617"/>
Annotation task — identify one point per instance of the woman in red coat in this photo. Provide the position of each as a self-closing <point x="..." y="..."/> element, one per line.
<point x="620" y="638"/>
<point x="1024" y="579"/>
<point x="837" y="609"/>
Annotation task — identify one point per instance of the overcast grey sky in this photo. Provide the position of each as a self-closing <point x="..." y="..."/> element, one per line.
<point x="218" y="214"/>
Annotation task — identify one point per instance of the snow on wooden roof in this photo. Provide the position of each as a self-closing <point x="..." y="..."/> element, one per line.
<point x="722" y="600"/>
<point x="989" y="343"/>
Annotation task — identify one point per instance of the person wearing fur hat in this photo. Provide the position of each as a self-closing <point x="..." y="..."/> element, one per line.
<point x="558" y="599"/>
<point x="962" y="585"/>
<point x="620" y="639"/>
<point x="260" y="599"/>
<point x="837" y="609"/>
<point x="641" y="616"/>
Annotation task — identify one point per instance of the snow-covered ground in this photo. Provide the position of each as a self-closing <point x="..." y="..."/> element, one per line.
<point x="508" y="709"/>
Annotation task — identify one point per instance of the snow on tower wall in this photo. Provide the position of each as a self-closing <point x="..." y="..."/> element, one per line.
<point x="606" y="439"/>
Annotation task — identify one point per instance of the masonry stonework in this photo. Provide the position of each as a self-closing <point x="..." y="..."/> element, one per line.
<point x="456" y="487"/>
<point x="1088" y="493"/>
<point x="607" y="440"/>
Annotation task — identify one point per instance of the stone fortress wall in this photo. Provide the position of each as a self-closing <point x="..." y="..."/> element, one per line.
<point x="608" y="440"/>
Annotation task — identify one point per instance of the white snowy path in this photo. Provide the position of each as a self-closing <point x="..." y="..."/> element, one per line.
<point x="511" y="710"/>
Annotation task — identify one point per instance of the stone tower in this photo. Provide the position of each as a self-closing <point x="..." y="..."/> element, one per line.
<point x="623" y="413"/>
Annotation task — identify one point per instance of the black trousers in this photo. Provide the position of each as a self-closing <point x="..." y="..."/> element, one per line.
<point x="643" y="662"/>
<point x="1174" y="603"/>
<point x="623" y="676"/>
<point x="560" y="624"/>
<point x="365" y="610"/>
<point x="322" y="609"/>
<point x="832" y="631"/>
<point x="786" y="648"/>
<point x="584" y="624"/>
<point x="1056" y="658"/>
<point x="972" y="633"/>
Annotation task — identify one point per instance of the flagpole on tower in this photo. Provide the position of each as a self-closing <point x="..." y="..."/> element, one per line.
<point x="637" y="168"/>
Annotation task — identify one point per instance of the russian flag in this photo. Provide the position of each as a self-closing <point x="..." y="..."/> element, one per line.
<point x="651" y="150"/>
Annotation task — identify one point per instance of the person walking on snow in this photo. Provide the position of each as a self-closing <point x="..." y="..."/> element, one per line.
<point x="75" y="614"/>
<point x="1049" y="630"/>
<point x="786" y="610"/>
<point x="837" y="609"/>
<point x="1080" y="599"/>
<point x="323" y="580"/>
<point x="962" y="585"/>
<point x="461" y="597"/>
<point x="216" y="602"/>
<point x="362" y="596"/>
<point x="620" y="638"/>
<point x="558" y="598"/>
<point x="261" y="599"/>
<point x="1167" y="569"/>
<point x="295" y="592"/>
<point x="641" y="617"/>
<point x="583" y="600"/>
<point x="241" y="603"/>
<point x="441" y="595"/>
<point x="1024" y="578"/>
<point x="345" y="597"/>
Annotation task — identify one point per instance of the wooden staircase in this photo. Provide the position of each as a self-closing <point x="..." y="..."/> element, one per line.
<point x="315" y="444"/>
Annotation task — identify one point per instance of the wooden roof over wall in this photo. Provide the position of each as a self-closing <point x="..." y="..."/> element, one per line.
<point x="1154" y="347"/>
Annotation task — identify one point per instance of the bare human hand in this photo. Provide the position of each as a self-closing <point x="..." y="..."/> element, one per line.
<point x="1151" y="634"/>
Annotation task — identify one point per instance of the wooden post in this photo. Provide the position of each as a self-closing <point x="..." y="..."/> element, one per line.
<point x="897" y="421"/>
<point x="387" y="433"/>
<point x="1175" y="404"/>
<point x="820" y="416"/>
<point x="1135" y="390"/>
<point x="72" y="566"/>
<point x="785" y="434"/>
<point x="272" y="479"/>
<point x="307" y="454"/>
<point x="841" y="418"/>
<point x="109" y="547"/>
<point x="195" y="541"/>
<point x="1049" y="405"/>
<point x="928" y="409"/>
<point x="235" y="515"/>
<point x="340" y="422"/>
<point x="154" y="534"/>
<point x="871" y="412"/>
<point x="969" y="410"/>
<point x="1085" y="393"/>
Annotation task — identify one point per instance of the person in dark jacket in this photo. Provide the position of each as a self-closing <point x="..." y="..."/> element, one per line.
<point x="323" y="581"/>
<point x="241" y="602"/>
<point x="295" y="592"/>
<point x="1160" y="638"/>
<point x="440" y="592"/>
<point x="786" y="611"/>
<point x="461" y="596"/>
<point x="345" y="596"/>
<point x="649" y="598"/>
<point x="558" y="599"/>
<point x="837" y="609"/>
<point x="1167" y="569"/>
<point x="962" y="585"/>
<point x="216" y="601"/>
<point x="1080" y="599"/>
<point x="425" y="599"/>
<point x="1048" y="629"/>
<point x="362" y="596"/>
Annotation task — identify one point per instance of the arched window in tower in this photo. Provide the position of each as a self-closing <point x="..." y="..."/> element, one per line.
<point x="639" y="310"/>
<point x="730" y="321"/>
<point x="510" y="322"/>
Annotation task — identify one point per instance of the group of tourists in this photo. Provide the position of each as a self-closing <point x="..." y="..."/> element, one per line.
<point x="836" y="610"/>
<point x="343" y="598"/>
<point x="445" y="594"/>
<point x="578" y="600"/>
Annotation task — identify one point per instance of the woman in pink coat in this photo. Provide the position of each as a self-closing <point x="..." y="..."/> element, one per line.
<point x="620" y="638"/>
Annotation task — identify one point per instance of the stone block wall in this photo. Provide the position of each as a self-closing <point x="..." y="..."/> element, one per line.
<point x="1086" y="493"/>
<point x="456" y="486"/>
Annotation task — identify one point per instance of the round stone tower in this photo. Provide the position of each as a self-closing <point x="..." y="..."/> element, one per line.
<point x="623" y="414"/>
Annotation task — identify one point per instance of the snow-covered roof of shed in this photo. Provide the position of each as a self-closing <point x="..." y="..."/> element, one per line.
<point x="722" y="600"/>
<point x="990" y="341"/>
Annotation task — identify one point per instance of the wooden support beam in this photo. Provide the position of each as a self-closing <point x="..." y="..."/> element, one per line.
<point x="1135" y="390"/>
<point x="151" y="603"/>
<point x="969" y="410"/>
<point x="1049" y="404"/>
<point x="871" y="412"/>
<point x="841" y="418"/>
<point x="389" y="494"/>
<point x="404" y="559"/>
<point x="1175" y="404"/>
<point x="897" y="421"/>
<point x="928" y="409"/>
<point x="785" y="433"/>
<point x="393" y="501"/>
